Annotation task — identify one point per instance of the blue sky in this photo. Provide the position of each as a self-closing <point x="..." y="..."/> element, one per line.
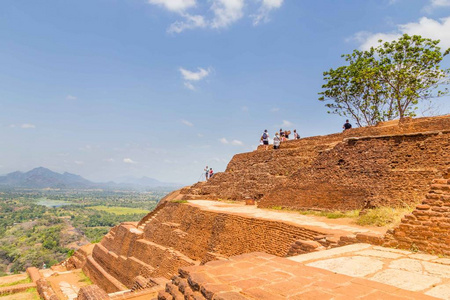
<point x="160" y="88"/>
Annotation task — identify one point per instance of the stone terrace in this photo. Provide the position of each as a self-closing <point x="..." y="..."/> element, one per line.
<point x="322" y="224"/>
<point x="263" y="276"/>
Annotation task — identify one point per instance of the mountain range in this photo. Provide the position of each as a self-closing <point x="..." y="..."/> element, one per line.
<point x="44" y="178"/>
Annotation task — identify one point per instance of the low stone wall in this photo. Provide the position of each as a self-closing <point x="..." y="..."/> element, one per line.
<point x="92" y="292"/>
<point x="427" y="228"/>
<point x="78" y="259"/>
<point x="14" y="289"/>
<point x="98" y="275"/>
<point x="45" y="290"/>
<point x="195" y="232"/>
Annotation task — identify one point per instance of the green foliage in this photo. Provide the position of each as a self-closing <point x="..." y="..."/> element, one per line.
<point x="387" y="81"/>
<point x="117" y="210"/>
<point x="31" y="234"/>
<point x="85" y="279"/>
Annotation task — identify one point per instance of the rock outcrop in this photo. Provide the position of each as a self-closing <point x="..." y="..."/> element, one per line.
<point x="390" y="164"/>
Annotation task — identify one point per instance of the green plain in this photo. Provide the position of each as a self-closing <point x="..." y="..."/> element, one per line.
<point x="117" y="210"/>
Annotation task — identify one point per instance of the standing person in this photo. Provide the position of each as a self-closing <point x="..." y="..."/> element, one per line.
<point x="296" y="135"/>
<point x="206" y="173"/>
<point x="347" y="125"/>
<point x="276" y="141"/>
<point x="265" y="139"/>
<point x="211" y="173"/>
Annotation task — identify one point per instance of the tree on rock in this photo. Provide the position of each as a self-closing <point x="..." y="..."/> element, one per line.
<point x="387" y="81"/>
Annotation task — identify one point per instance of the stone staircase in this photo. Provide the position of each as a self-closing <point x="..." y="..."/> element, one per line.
<point x="427" y="228"/>
<point x="149" y="217"/>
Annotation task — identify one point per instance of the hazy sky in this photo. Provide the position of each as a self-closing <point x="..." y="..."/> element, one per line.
<point x="112" y="88"/>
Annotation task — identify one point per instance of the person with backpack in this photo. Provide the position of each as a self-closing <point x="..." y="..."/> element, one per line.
<point x="347" y="125"/>
<point x="211" y="173"/>
<point x="265" y="139"/>
<point x="296" y="135"/>
<point x="276" y="141"/>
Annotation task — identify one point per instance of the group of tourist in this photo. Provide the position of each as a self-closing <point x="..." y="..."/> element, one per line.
<point x="284" y="135"/>
<point x="278" y="138"/>
<point x="208" y="173"/>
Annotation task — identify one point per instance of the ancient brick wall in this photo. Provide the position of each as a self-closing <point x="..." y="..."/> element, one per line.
<point x="195" y="232"/>
<point x="390" y="164"/>
<point x="387" y="171"/>
<point x="182" y="235"/>
<point x="427" y="228"/>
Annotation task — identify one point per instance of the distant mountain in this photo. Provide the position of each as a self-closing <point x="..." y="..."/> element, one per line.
<point x="45" y="178"/>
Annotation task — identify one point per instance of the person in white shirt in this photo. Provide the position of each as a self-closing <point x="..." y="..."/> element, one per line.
<point x="276" y="141"/>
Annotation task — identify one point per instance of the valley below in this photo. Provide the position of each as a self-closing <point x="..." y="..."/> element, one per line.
<point x="41" y="228"/>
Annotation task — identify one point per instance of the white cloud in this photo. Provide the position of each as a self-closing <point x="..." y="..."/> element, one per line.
<point x="237" y="143"/>
<point x="275" y="109"/>
<point x="79" y="162"/>
<point x="28" y="126"/>
<point x="286" y="124"/>
<point x="174" y="5"/>
<point x="190" y="22"/>
<point x="226" y="12"/>
<point x="192" y="76"/>
<point x="110" y="160"/>
<point x="128" y="161"/>
<point x="221" y="13"/>
<point x="224" y="141"/>
<point x="70" y="97"/>
<point x="266" y="7"/>
<point x="426" y="27"/>
<point x="187" y="123"/>
<point x="200" y="135"/>
<point x="436" y="4"/>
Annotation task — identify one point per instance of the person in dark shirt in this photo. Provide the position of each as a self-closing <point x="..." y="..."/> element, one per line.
<point x="347" y="125"/>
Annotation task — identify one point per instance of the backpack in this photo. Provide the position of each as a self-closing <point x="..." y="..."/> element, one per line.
<point x="264" y="135"/>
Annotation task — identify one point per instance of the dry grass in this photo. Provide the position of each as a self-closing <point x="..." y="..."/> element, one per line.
<point x="382" y="216"/>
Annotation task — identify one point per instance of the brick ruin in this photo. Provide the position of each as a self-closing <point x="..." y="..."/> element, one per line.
<point x="390" y="164"/>
<point x="181" y="235"/>
<point x="427" y="227"/>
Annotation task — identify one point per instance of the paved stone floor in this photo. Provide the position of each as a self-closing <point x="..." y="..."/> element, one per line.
<point x="307" y="221"/>
<point x="263" y="276"/>
<point x="427" y="274"/>
<point x="66" y="284"/>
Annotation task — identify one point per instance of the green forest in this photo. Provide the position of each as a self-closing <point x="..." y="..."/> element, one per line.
<point x="40" y="228"/>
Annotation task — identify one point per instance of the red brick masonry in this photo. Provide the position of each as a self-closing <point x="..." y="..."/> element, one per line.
<point x="267" y="277"/>
<point x="428" y="227"/>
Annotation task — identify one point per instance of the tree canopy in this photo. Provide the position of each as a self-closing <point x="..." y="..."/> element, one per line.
<point x="387" y="81"/>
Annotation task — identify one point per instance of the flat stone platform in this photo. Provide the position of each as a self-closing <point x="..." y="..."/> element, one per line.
<point x="427" y="274"/>
<point x="374" y="273"/>
<point x="322" y="224"/>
